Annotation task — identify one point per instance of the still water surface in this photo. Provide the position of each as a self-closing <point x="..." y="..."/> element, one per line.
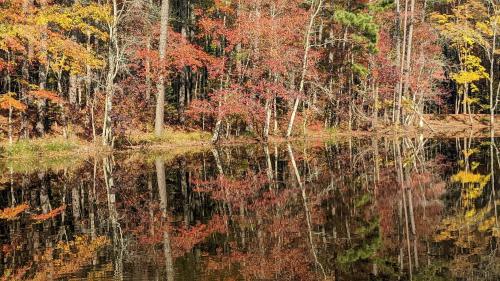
<point x="364" y="209"/>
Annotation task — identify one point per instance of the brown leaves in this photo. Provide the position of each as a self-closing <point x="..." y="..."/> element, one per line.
<point x="13" y="212"/>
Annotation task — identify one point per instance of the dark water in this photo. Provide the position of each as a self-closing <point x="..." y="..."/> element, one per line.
<point x="365" y="209"/>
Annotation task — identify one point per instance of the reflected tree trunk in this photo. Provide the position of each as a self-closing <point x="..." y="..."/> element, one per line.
<point x="306" y="208"/>
<point x="108" y="165"/>
<point x="162" y="190"/>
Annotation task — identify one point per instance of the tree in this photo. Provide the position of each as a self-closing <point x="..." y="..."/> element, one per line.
<point x="160" y="98"/>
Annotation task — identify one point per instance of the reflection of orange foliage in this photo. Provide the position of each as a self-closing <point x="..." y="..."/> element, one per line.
<point x="11" y="213"/>
<point x="232" y="190"/>
<point x="187" y="238"/>
<point x="50" y="214"/>
<point x="184" y="239"/>
<point x="72" y="257"/>
<point x="44" y="94"/>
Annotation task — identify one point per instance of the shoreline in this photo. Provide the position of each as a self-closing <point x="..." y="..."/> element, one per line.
<point x="177" y="142"/>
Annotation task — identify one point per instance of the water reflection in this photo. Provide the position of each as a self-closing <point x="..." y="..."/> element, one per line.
<point x="367" y="209"/>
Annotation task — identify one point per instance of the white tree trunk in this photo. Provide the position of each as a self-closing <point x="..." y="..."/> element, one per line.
<point x="160" y="98"/>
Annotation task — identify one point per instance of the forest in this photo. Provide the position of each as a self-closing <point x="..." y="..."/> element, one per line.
<point x="103" y="71"/>
<point x="249" y="140"/>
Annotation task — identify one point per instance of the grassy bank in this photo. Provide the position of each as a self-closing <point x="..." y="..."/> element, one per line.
<point x="182" y="141"/>
<point x="52" y="152"/>
<point x="170" y="138"/>
<point x="42" y="147"/>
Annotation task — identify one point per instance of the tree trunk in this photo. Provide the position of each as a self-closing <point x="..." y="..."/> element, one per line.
<point x="42" y="81"/>
<point x="10" y="124"/>
<point x="409" y="50"/>
<point x="307" y="47"/>
<point x="268" y="110"/>
<point x="160" y="98"/>
<point x="399" y="111"/>
<point x="72" y="91"/>
<point x="492" y="75"/>
<point x="113" y="52"/>
<point x="107" y="132"/>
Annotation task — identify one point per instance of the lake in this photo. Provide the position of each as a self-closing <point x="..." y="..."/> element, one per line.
<point x="355" y="209"/>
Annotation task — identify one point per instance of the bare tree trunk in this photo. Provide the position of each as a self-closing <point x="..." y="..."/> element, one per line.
<point x="492" y="74"/>
<point x="25" y="75"/>
<point x="42" y="81"/>
<point x="160" y="85"/>
<point x="216" y="135"/>
<point x="399" y="111"/>
<point x="147" y="65"/>
<point x="268" y="110"/>
<point x="218" y="122"/>
<point x="113" y="61"/>
<point x="307" y="47"/>
<point x="408" y="52"/>
<point x="88" y="74"/>
<point x="375" y="108"/>
<point x="72" y="91"/>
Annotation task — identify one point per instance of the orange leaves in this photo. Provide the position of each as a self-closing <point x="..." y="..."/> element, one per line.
<point x="7" y="101"/>
<point x="72" y="257"/>
<point x="13" y="212"/>
<point x="49" y="215"/>
<point x="48" y="95"/>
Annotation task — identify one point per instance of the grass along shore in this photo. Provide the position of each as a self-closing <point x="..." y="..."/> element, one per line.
<point x="185" y="141"/>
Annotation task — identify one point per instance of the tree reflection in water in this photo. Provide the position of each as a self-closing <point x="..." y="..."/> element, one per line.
<point x="369" y="209"/>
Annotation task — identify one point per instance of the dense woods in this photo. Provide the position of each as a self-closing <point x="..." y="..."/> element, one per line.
<point x="103" y="69"/>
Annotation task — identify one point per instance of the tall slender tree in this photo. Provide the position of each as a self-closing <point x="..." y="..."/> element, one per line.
<point x="160" y="85"/>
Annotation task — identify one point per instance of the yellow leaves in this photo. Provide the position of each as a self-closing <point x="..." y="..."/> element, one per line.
<point x="473" y="186"/>
<point x="469" y="100"/>
<point x="474" y="165"/>
<point x="485" y="28"/>
<point x="53" y="24"/>
<point x="468" y="177"/>
<point x="469" y="152"/>
<point x="85" y="18"/>
<point x="443" y="236"/>
<point x="440" y="18"/>
<point x="473" y="71"/>
<point x="13" y="212"/>
<point x="8" y="101"/>
<point x="473" y="62"/>
<point x="68" y="55"/>
<point x="87" y="14"/>
<point x="465" y="77"/>
<point x="470" y="213"/>
<point x="468" y="39"/>
<point x="487" y="224"/>
<point x="50" y="15"/>
<point x="470" y="24"/>
<point x="496" y="232"/>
